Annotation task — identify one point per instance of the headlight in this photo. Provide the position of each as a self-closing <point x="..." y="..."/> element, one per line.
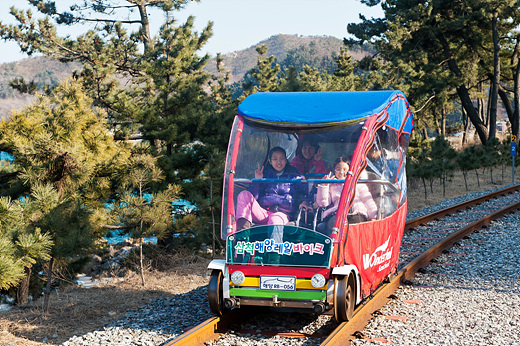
<point x="238" y="277"/>
<point x="318" y="281"/>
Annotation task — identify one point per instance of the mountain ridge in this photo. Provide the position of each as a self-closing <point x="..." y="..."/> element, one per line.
<point x="316" y="51"/>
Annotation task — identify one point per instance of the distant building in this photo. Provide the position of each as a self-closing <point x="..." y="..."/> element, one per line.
<point x="501" y="127"/>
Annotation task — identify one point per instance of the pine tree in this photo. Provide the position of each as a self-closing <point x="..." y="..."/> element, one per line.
<point x="432" y="48"/>
<point x="311" y="79"/>
<point x="139" y="211"/>
<point x="266" y="74"/>
<point x="65" y="157"/>
<point x="443" y="156"/>
<point x="492" y="156"/>
<point x="11" y="270"/>
<point x="18" y="227"/>
<point x="167" y="99"/>
<point x="344" y="77"/>
<point x="172" y="101"/>
<point x="466" y="161"/>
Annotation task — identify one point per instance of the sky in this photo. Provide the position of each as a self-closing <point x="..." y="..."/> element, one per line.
<point x="237" y="24"/>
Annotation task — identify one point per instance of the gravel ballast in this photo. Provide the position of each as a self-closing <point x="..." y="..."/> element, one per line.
<point x="470" y="296"/>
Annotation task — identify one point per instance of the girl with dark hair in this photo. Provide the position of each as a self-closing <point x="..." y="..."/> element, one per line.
<point x="363" y="208"/>
<point x="271" y="203"/>
<point x="308" y="159"/>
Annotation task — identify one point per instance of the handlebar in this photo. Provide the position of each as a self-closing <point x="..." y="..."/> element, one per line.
<point x="326" y="181"/>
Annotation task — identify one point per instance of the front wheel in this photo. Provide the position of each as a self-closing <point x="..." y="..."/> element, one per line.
<point x="344" y="298"/>
<point x="215" y="293"/>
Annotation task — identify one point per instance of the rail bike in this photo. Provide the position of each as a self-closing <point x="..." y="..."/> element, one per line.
<point x="314" y="200"/>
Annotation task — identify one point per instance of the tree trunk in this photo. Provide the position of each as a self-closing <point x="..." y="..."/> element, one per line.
<point x="515" y="121"/>
<point x="495" y="80"/>
<point x="436" y="121"/>
<point x="22" y="291"/>
<point x="48" y="286"/>
<point x="425" y="132"/>
<point x="463" y="93"/>
<point x="480" y="101"/>
<point x="507" y="103"/>
<point x="141" y="267"/>
<point x="145" y="27"/>
<point x="465" y="122"/>
<point x="443" y="122"/>
<point x="443" y="185"/>
<point x="488" y="110"/>
<point x="513" y="113"/>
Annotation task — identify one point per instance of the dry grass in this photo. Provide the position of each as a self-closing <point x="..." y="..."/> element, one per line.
<point x="75" y="310"/>
<point x="456" y="186"/>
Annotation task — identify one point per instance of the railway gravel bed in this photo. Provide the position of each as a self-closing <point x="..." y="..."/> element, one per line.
<point x="470" y="296"/>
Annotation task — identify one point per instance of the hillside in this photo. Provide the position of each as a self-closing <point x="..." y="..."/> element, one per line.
<point x="316" y="51"/>
<point x="320" y="47"/>
<point x="41" y="70"/>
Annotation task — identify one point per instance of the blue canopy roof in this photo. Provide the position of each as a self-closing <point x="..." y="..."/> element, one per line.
<point x="329" y="107"/>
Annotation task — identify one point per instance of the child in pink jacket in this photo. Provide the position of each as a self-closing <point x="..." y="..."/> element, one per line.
<point x="363" y="208"/>
<point x="308" y="158"/>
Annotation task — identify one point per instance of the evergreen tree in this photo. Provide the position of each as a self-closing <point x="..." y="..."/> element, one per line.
<point x="172" y="101"/>
<point x="11" y="270"/>
<point x="492" y="156"/>
<point x="24" y="241"/>
<point x="308" y="55"/>
<point x="138" y="210"/>
<point x="292" y="81"/>
<point x="437" y="47"/>
<point x="311" y="79"/>
<point x="21" y="245"/>
<point x="266" y="73"/>
<point x="421" y="166"/>
<point x="166" y="100"/>
<point x="344" y="78"/>
<point x="466" y="161"/>
<point x="443" y="156"/>
<point x="505" y="154"/>
<point x="65" y="157"/>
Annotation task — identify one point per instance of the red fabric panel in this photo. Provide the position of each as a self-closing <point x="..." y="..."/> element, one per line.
<point x="373" y="247"/>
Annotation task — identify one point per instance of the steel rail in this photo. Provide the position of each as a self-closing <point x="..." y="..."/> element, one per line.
<point x="461" y="206"/>
<point x="212" y="328"/>
<point x="363" y="314"/>
<point x="208" y="330"/>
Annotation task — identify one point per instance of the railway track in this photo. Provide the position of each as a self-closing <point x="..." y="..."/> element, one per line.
<point x="425" y="238"/>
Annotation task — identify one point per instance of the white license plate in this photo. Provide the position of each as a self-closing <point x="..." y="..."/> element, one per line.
<point x="278" y="283"/>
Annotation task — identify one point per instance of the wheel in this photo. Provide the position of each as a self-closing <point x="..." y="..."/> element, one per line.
<point x="215" y="295"/>
<point x="344" y="298"/>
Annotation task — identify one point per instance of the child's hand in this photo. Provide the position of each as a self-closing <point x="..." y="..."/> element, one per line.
<point x="305" y="205"/>
<point x="318" y="156"/>
<point x="259" y="173"/>
<point x="328" y="176"/>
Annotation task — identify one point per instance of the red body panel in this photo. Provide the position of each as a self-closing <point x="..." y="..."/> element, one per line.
<point x="373" y="247"/>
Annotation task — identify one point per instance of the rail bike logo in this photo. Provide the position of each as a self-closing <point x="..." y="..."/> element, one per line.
<point x="381" y="255"/>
